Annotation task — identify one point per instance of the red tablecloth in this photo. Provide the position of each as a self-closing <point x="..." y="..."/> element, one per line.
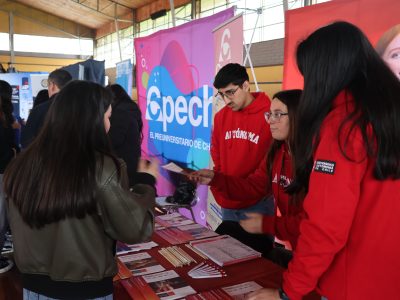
<point x="260" y="270"/>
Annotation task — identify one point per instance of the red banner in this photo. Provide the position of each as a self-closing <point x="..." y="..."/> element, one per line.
<point x="373" y="17"/>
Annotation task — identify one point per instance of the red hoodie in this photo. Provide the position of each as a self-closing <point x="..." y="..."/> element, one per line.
<point x="255" y="186"/>
<point x="349" y="242"/>
<point x="239" y="142"/>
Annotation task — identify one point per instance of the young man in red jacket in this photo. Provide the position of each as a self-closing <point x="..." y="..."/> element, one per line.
<point x="240" y="140"/>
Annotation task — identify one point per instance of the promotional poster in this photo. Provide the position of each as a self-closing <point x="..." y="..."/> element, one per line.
<point x="175" y="71"/>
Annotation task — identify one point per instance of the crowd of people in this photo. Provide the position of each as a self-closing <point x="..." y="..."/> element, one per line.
<point x="318" y="168"/>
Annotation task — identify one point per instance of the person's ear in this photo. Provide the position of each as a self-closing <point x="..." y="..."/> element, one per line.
<point x="246" y="86"/>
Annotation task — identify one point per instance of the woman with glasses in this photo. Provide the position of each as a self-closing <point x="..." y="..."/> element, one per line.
<point x="347" y="162"/>
<point x="274" y="174"/>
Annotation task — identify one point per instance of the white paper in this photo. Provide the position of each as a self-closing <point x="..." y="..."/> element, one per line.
<point x="173" y="168"/>
<point x="123" y="248"/>
<point x="173" y="220"/>
<point x="241" y="290"/>
<point x="141" y="264"/>
<point x="198" y="231"/>
<point x="168" y="285"/>
<point x="225" y="250"/>
<point x="161" y="201"/>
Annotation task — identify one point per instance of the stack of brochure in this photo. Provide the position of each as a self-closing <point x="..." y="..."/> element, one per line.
<point x="206" y="270"/>
<point x="141" y="264"/>
<point x="225" y="250"/>
<point x="165" y="285"/>
<point x="173" y="220"/>
<point x="123" y="248"/>
<point x="185" y="233"/>
<point x="234" y="292"/>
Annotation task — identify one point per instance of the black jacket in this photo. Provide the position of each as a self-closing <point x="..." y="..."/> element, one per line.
<point x="125" y="134"/>
<point x="35" y="122"/>
<point x="7" y="143"/>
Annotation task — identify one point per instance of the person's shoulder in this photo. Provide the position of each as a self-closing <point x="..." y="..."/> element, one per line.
<point x="128" y="105"/>
<point x="41" y="108"/>
<point x="223" y="112"/>
<point x="262" y="97"/>
<point x="128" y="108"/>
<point x="120" y="117"/>
<point x="109" y="169"/>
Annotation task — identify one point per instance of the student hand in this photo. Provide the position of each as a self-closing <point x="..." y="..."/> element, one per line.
<point x="150" y="167"/>
<point x="203" y="176"/>
<point x="264" y="294"/>
<point x="253" y="223"/>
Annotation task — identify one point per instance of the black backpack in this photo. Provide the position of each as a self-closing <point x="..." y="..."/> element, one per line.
<point x="184" y="193"/>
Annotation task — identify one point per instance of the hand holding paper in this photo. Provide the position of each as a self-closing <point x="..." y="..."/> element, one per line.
<point x="203" y="176"/>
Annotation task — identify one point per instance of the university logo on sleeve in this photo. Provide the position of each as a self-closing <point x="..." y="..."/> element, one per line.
<point x="325" y="166"/>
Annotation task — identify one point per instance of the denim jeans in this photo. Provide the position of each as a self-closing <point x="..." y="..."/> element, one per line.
<point x="265" y="206"/>
<point x="3" y="214"/>
<point x="29" y="295"/>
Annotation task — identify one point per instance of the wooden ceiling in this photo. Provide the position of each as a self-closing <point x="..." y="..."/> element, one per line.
<point x="90" y="13"/>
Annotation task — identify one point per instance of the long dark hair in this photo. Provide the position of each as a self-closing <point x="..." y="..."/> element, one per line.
<point x="41" y="97"/>
<point x="119" y="96"/>
<point x="291" y="99"/>
<point x="55" y="177"/>
<point x="6" y="109"/>
<point x="339" y="57"/>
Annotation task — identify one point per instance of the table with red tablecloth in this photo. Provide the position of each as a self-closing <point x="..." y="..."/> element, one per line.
<point x="260" y="270"/>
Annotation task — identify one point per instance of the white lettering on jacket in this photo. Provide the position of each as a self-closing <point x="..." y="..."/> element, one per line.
<point x="242" y="134"/>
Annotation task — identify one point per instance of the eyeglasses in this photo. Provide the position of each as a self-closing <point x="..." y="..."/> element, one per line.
<point x="228" y="94"/>
<point x="274" y="116"/>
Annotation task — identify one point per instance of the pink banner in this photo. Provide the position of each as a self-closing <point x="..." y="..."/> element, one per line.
<point x="228" y="42"/>
<point x="175" y="70"/>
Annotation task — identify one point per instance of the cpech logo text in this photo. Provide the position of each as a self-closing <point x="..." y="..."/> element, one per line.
<point x="166" y="109"/>
<point x="179" y="116"/>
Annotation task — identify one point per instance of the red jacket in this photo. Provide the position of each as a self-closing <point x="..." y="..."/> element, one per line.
<point x="349" y="242"/>
<point x="239" y="142"/>
<point x="256" y="185"/>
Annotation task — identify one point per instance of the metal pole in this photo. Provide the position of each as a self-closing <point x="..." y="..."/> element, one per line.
<point x="285" y="5"/>
<point x="171" y="4"/>
<point x="193" y="12"/>
<point x="247" y="57"/>
<point x="285" y="8"/>
<point x="11" y="37"/>
<point x="117" y="31"/>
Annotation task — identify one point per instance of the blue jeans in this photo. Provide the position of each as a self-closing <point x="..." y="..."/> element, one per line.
<point x="29" y="295"/>
<point x="3" y="214"/>
<point x="265" y="206"/>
